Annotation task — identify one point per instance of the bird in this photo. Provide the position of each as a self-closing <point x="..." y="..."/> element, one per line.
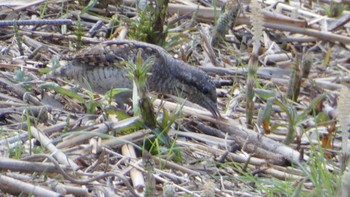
<point x="102" y="66"/>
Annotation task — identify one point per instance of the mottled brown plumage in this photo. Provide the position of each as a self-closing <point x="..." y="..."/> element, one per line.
<point x="102" y="67"/>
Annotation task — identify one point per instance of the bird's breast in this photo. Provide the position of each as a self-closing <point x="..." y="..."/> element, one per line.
<point x="99" y="79"/>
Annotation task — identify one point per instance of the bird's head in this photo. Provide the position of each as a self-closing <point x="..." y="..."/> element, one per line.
<point x="195" y="85"/>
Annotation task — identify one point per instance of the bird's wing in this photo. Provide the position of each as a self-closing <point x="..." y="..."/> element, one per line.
<point x="113" y="53"/>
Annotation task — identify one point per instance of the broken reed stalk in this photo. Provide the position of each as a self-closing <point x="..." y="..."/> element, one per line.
<point x="151" y="26"/>
<point x="306" y="64"/>
<point x="295" y="79"/>
<point x="150" y="181"/>
<point x="159" y="23"/>
<point x="226" y="20"/>
<point x="19" y="40"/>
<point x="257" y="30"/>
<point x="252" y="65"/>
<point x="300" y="69"/>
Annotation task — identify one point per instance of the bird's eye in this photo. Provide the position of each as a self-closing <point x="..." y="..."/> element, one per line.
<point x="205" y="90"/>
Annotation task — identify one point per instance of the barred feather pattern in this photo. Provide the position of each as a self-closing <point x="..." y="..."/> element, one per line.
<point x="102" y="67"/>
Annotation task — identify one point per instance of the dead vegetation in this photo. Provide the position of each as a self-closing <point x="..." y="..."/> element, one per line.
<point x="280" y="134"/>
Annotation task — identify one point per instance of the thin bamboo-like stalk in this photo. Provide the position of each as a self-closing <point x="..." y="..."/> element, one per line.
<point x="136" y="176"/>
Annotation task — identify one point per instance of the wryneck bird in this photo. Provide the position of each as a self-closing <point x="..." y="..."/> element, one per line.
<point x="102" y="67"/>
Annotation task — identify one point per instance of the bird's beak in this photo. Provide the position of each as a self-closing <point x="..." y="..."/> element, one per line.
<point x="212" y="107"/>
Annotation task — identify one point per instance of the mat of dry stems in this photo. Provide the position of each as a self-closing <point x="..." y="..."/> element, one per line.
<point x="92" y="164"/>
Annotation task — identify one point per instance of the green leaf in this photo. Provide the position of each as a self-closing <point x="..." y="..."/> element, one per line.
<point x="115" y="91"/>
<point x="322" y="117"/>
<point x="264" y="116"/>
<point x="316" y="101"/>
<point x="116" y="94"/>
<point x="281" y="105"/>
<point x="44" y="70"/>
<point x="59" y="89"/>
<point x="91" y="106"/>
<point x="165" y="118"/>
<point x="89" y="6"/>
<point x="265" y="94"/>
<point x="312" y="106"/>
<point x="20" y="75"/>
<point x="162" y="136"/>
